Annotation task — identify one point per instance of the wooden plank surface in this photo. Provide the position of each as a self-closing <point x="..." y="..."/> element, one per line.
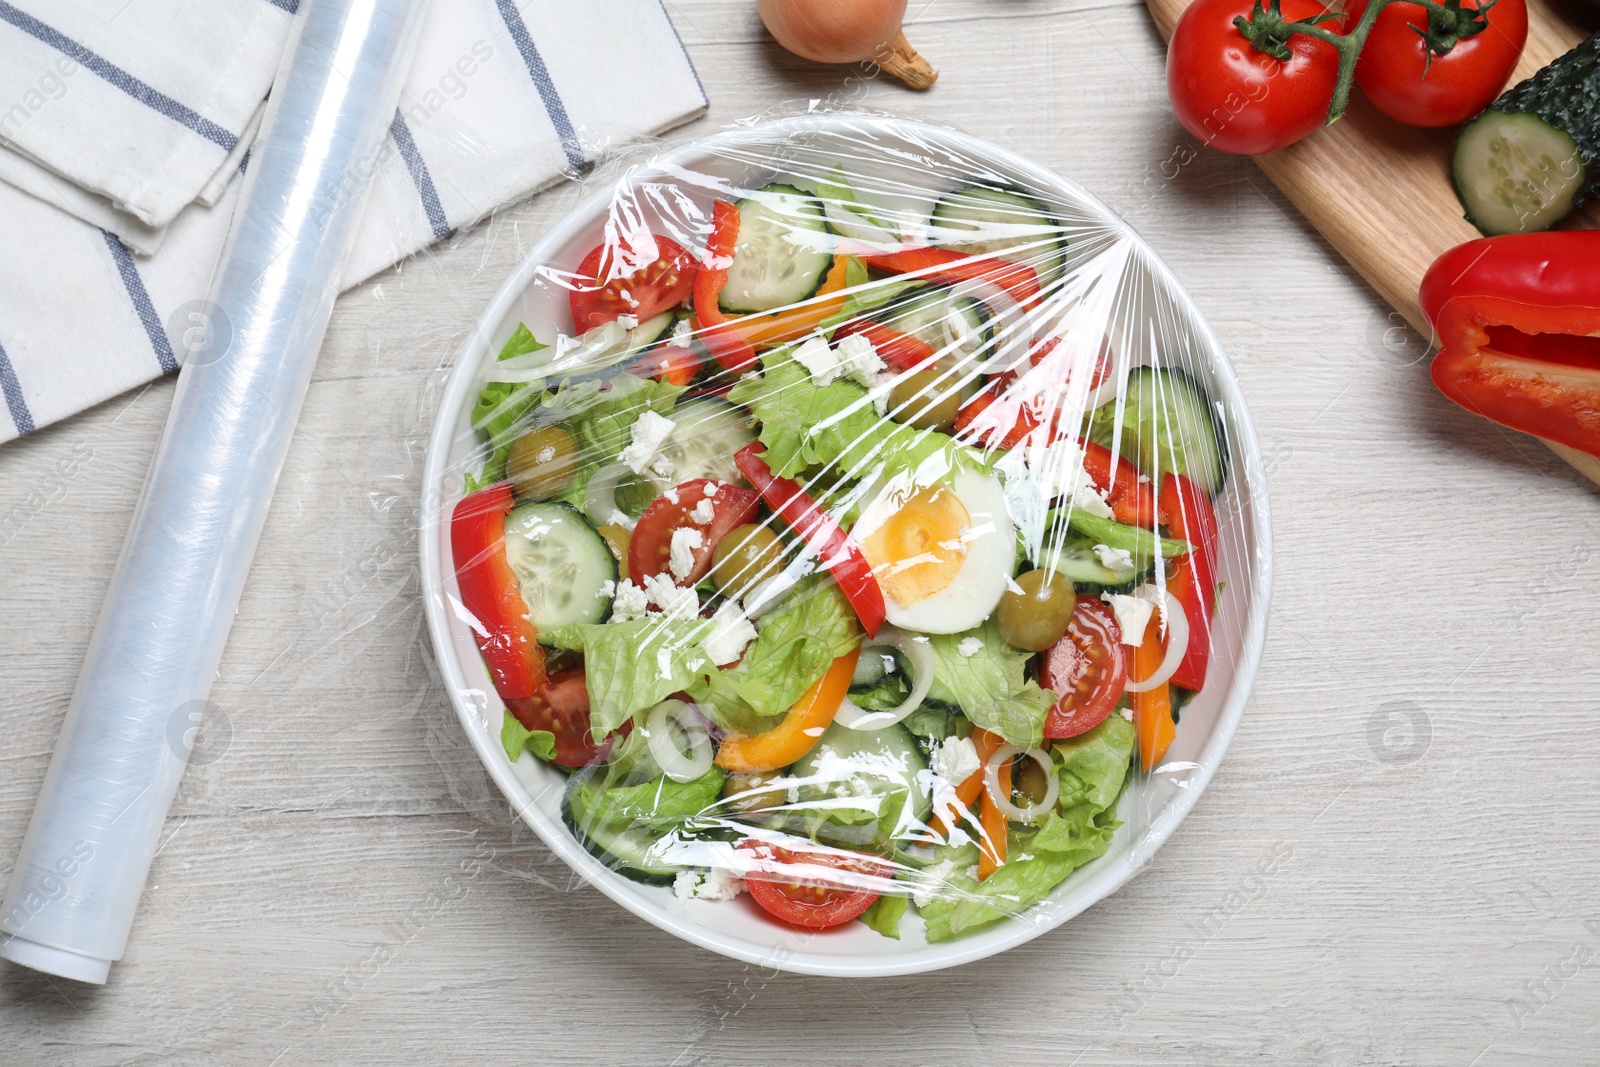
<point x="1429" y="898"/>
<point x="1381" y="192"/>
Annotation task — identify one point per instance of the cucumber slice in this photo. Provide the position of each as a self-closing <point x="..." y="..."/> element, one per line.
<point x="650" y="331"/>
<point x="923" y="313"/>
<point x="1525" y="163"/>
<point x="877" y="768"/>
<point x="783" y="252"/>
<point x="1016" y="227"/>
<point x="1072" y="556"/>
<point x="1516" y="173"/>
<point x="562" y="565"/>
<point x="706" y="434"/>
<point x="623" y="846"/>
<point x="1168" y="428"/>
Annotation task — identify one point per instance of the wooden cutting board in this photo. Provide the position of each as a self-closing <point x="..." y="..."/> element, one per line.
<point x="1405" y="212"/>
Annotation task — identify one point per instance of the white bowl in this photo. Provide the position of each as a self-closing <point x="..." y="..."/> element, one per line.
<point x="1153" y="805"/>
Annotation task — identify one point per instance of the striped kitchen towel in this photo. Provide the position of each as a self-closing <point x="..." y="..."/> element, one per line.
<point x="116" y="119"/>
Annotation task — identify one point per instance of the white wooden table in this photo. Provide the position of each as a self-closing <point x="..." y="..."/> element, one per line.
<point x="1430" y="895"/>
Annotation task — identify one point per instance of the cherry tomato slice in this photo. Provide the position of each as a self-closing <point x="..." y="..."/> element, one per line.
<point x="810" y="900"/>
<point x="1087" y="668"/>
<point x="562" y="707"/>
<point x="650" y="549"/>
<point x="643" y="290"/>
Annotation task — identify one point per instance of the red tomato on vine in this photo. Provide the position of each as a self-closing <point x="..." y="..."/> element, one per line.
<point x="1237" y="98"/>
<point x="1400" y="77"/>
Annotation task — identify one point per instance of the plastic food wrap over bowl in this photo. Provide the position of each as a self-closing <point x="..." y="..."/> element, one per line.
<point x="846" y="545"/>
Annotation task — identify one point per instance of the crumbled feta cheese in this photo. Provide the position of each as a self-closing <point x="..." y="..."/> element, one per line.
<point x="711" y="489"/>
<point x="629" y="602"/>
<point x="608" y="588"/>
<point x="955" y="759"/>
<point x="1127" y="713"/>
<point x="628" y="322"/>
<point x="674" y="601"/>
<point x="1115" y="558"/>
<point x="720" y="884"/>
<point x="1088" y="498"/>
<point x="970" y="646"/>
<point x="818" y="359"/>
<point x="618" y="518"/>
<point x="929" y="882"/>
<point x="663" y="468"/>
<point x="858" y="360"/>
<point x="685" y="884"/>
<point x="680" y="557"/>
<point x="650" y="432"/>
<point x="972" y="872"/>
<point x="1133" y="615"/>
<point x="704" y="511"/>
<point x="672" y="494"/>
<point x="730" y="632"/>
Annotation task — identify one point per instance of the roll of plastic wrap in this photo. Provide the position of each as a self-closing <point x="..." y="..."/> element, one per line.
<point x="155" y="651"/>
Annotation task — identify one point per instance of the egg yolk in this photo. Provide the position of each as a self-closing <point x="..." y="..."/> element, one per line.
<point x="919" y="549"/>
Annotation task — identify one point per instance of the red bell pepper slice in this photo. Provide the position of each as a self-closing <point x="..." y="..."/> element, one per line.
<point x="1518" y="325"/>
<point x="489" y="592"/>
<point x="943" y="266"/>
<point x="1187" y="514"/>
<point x="717" y="333"/>
<point x="899" y="350"/>
<point x="1132" y="502"/>
<point x="508" y="640"/>
<point x="839" y="555"/>
<point x="989" y="430"/>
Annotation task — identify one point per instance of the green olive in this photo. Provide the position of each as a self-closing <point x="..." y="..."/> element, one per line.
<point x="925" y="400"/>
<point x="1035" y="617"/>
<point x="618" y="538"/>
<point x="1028" y="781"/>
<point x="747" y="555"/>
<point x="541" y="462"/>
<point x="744" y="794"/>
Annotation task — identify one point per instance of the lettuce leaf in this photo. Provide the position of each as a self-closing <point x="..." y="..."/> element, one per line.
<point x="795" y="643"/>
<point x="661" y="801"/>
<point x="630" y="666"/>
<point x="514" y="737"/>
<point x="500" y="407"/>
<point x="520" y="343"/>
<point x="1094" y="769"/>
<point x="885" y="914"/>
<point x="838" y="427"/>
<point x="991" y="686"/>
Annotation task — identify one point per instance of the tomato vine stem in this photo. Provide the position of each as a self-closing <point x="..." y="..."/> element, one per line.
<point x="1268" y="31"/>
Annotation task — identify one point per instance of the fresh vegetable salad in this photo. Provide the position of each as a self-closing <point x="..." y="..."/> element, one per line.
<point x="849" y="542"/>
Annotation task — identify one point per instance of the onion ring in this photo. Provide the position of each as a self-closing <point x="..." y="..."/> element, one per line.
<point x="991" y="782"/>
<point x="920" y="653"/>
<point x="1177" y="644"/>
<point x="673" y="761"/>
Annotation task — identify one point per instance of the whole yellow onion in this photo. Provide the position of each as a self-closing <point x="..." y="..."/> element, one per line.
<point x="848" y="31"/>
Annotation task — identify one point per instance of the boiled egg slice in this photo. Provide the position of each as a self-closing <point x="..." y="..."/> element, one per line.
<point x="942" y="553"/>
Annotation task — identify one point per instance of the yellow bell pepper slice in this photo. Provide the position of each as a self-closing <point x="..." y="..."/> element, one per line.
<point x="799" y="730"/>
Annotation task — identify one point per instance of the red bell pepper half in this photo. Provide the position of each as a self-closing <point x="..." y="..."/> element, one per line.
<point x="721" y="339"/>
<point x="945" y="267"/>
<point x="1518" y="325"/>
<point x="839" y="555"/>
<point x="1187" y="514"/>
<point x="508" y="640"/>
